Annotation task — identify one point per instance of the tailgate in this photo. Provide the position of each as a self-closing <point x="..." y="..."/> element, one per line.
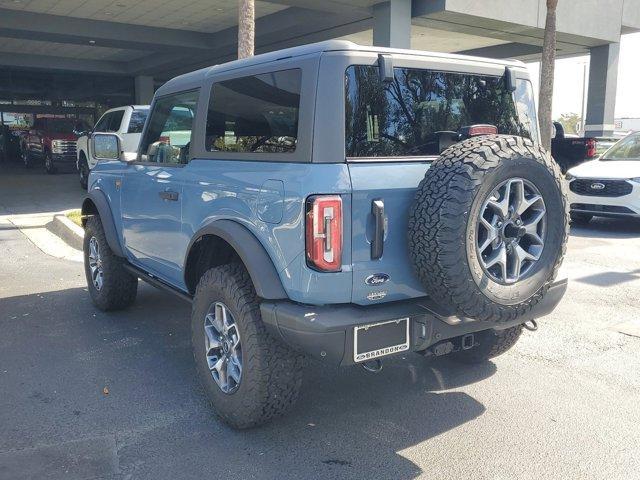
<point x="395" y="184"/>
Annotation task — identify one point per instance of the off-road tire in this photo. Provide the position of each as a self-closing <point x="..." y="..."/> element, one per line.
<point x="83" y="172"/>
<point x="443" y="222"/>
<point x="490" y="343"/>
<point x="580" y="218"/>
<point x="271" y="371"/>
<point x="119" y="287"/>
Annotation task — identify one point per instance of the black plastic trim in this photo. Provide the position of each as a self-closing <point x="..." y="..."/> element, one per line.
<point x="256" y="260"/>
<point x="326" y="332"/>
<point x="156" y="282"/>
<point x="106" y="217"/>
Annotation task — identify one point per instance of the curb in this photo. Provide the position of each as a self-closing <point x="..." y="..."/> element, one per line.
<point x="69" y="232"/>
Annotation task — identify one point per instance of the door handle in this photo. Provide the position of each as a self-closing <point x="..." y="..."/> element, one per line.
<point x="377" y="244"/>
<point x="169" y="195"/>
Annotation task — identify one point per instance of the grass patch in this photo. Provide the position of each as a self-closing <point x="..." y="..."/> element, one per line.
<point x="75" y="216"/>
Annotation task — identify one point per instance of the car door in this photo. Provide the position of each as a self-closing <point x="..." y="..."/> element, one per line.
<point x="152" y="190"/>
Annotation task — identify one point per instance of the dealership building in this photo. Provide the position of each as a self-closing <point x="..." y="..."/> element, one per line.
<point x="77" y="58"/>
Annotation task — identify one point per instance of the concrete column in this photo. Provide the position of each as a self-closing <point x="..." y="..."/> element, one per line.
<point x="392" y="24"/>
<point x="601" y="100"/>
<point x="144" y="89"/>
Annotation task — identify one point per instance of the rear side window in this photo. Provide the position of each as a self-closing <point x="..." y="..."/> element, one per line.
<point x="421" y="111"/>
<point x="257" y="114"/>
<point x="136" y="122"/>
<point x="168" y="136"/>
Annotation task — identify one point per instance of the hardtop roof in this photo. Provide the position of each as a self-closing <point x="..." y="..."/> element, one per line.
<point x="193" y="79"/>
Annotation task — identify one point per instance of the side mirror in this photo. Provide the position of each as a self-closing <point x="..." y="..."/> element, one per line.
<point x="106" y="146"/>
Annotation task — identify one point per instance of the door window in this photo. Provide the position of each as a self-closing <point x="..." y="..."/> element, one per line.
<point x="168" y="136"/>
<point x="103" y="123"/>
<point x="255" y="114"/>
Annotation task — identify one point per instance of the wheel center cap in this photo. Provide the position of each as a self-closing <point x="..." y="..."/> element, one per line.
<point x="225" y="346"/>
<point x="512" y="231"/>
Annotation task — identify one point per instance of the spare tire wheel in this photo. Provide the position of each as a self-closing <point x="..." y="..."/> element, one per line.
<point x="488" y="227"/>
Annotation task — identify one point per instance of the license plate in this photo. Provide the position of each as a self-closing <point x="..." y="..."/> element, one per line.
<point x="380" y="339"/>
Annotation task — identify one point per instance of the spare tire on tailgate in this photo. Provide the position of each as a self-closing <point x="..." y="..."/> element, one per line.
<point x="488" y="227"/>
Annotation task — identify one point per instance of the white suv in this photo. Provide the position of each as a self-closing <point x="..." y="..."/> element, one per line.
<point x="127" y="122"/>
<point x="608" y="186"/>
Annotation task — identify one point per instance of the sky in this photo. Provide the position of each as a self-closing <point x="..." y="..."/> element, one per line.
<point x="569" y="74"/>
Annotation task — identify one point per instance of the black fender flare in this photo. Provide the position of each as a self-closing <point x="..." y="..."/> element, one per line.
<point x="256" y="260"/>
<point x="96" y="202"/>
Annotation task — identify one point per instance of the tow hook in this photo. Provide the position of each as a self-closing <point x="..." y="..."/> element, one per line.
<point x="373" y="366"/>
<point x="531" y="325"/>
<point x="467" y="341"/>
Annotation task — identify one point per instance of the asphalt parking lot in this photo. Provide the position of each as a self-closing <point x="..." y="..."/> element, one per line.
<point x="90" y="395"/>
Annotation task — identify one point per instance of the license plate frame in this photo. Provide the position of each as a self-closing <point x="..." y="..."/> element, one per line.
<point x="382" y="351"/>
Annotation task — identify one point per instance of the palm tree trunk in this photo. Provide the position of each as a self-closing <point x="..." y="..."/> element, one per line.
<point x="547" y="66"/>
<point x="246" y="28"/>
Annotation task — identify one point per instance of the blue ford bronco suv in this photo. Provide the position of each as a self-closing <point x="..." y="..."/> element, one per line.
<point x="335" y="201"/>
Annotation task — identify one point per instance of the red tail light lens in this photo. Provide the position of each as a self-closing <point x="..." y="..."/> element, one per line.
<point x="475" y="130"/>
<point x="324" y="232"/>
<point x="591" y="147"/>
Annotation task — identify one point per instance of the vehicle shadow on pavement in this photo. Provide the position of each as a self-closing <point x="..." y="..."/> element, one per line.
<point x="608" y="228"/>
<point x="120" y="389"/>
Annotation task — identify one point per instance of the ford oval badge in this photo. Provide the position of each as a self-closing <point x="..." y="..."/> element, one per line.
<point x="598" y="186"/>
<point x="376" y="279"/>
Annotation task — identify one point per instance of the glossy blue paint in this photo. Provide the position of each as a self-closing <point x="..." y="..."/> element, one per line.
<point x="395" y="183"/>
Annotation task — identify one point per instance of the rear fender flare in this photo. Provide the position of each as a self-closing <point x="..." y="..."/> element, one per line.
<point x="255" y="258"/>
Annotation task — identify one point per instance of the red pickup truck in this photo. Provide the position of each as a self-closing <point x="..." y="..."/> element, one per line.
<point x="52" y="141"/>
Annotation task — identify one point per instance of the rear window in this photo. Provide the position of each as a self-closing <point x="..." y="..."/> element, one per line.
<point x="421" y="111"/>
<point x="255" y="114"/>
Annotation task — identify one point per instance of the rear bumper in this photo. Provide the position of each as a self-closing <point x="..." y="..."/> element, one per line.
<point x="326" y="332"/>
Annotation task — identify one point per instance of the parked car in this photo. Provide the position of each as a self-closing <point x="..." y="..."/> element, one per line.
<point x="52" y="141"/>
<point x="570" y="151"/>
<point x="343" y="202"/>
<point x="9" y="143"/>
<point x="125" y="121"/>
<point x="608" y="186"/>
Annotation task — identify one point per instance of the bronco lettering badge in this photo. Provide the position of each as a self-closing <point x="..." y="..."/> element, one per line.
<point x="376" y="279"/>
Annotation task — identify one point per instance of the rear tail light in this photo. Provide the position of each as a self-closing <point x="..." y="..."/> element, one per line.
<point x="591" y="147"/>
<point x="480" y="129"/>
<point x="324" y="232"/>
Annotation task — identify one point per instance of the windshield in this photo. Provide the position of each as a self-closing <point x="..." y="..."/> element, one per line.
<point x="626" y="149"/>
<point x="61" y="125"/>
<point x="421" y="112"/>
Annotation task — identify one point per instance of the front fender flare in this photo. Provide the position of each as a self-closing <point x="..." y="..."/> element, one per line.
<point x="100" y="204"/>
<point x="256" y="260"/>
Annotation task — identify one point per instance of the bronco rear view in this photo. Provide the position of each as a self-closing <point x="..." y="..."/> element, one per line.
<point x="333" y="201"/>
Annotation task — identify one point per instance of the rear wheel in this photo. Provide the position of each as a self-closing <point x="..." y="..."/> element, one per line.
<point x="490" y="343"/>
<point x="580" y="218"/>
<point x="248" y="375"/>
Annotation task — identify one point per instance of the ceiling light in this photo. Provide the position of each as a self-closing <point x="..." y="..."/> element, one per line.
<point x="92" y="42"/>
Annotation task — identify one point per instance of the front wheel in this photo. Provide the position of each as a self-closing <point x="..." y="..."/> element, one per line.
<point x="49" y="166"/>
<point x="83" y="170"/>
<point x="26" y="158"/>
<point x="248" y="375"/>
<point x="111" y="287"/>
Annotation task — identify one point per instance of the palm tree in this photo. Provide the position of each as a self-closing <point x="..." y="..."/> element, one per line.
<point x="246" y="27"/>
<point x="546" y="73"/>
